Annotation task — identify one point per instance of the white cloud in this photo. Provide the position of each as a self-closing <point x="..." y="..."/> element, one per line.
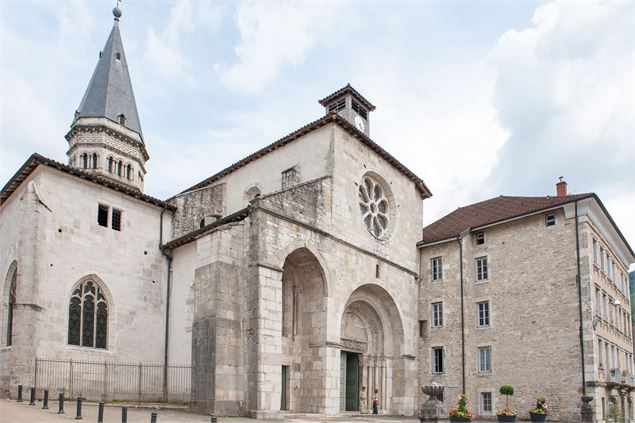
<point x="274" y="35"/>
<point x="564" y="91"/>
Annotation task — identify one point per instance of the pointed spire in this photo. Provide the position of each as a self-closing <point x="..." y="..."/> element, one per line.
<point x="109" y="93"/>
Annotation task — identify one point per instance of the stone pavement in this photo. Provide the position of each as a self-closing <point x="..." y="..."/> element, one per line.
<point x="13" y="412"/>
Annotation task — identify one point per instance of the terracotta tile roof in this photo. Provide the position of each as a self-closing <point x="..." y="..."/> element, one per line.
<point x="353" y="91"/>
<point x="490" y="211"/>
<point x="329" y="118"/>
<point x="36" y="160"/>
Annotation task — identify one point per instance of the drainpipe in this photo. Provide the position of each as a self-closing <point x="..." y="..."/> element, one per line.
<point x="579" y="281"/>
<point x="459" y="239"/>
<point x="167" y="310"/>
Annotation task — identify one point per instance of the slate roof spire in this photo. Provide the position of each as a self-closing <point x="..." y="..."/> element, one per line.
<point x="109" y="93"/>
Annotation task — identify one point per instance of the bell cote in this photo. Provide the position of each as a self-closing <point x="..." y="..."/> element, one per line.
<point x="351" y="105"/>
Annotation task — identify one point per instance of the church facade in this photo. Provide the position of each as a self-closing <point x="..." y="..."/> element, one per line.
<point x="288" y="280"/>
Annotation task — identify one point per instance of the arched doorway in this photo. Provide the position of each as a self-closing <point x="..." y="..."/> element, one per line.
<point x="303" y="333"/>
<point x="371" y="336"/>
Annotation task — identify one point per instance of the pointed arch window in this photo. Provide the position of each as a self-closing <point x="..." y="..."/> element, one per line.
<point x="11" y="307"/>
<point x="88" y="316"/>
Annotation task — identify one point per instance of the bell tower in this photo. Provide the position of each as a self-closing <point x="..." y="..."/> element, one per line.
<point x="351" y="105"/>
<point x="105" y="137"/>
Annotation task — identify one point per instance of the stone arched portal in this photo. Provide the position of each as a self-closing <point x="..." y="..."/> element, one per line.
<point x="372" y="339"/>
<point x="303" y="333"/>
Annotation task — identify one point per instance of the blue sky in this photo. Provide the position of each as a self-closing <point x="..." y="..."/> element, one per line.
<point x="478" y="98"/>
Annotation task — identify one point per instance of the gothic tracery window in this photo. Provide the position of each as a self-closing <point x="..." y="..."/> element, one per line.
<point x="88" y="316"/>
<point x="374" y="206"/>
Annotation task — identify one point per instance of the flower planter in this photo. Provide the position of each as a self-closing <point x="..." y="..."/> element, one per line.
<point x="506" y="419"/>
<point x="537" y="417"/>
<point x="459" y="419"/>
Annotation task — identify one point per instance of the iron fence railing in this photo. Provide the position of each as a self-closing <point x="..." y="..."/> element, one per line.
<point x="111" y="381"/>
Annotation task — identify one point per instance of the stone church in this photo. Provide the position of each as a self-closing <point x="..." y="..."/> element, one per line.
<point x="287" y="280"/>
<point x="295" y="276"/>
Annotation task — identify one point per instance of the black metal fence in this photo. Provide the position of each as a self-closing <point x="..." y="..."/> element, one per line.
<point x="110" y="381"/>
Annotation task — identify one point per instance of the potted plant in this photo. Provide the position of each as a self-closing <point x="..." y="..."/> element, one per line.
<point x="460" y="413"/>
<point x="539" y="413"/>
<point x="506" y="414"/>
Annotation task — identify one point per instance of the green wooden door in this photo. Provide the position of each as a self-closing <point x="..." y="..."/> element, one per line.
<point x="352" y="382"/>
<point x="343" y="381"/>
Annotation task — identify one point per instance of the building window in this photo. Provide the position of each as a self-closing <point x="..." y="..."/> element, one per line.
<point x="602" y="259"/>
<point x="122" y="117"/>
<point x="94" y="160"/>
<point x="437" y="268"/>
<point x="102" y="215"/>
<point x="116" y="219"/>
<point x="550" y="220"/>
<point x="485" y="359"/>
<point x="595" y="252"/>
<point x="605" y="314"/>
<point x="111" y="166"/>
<point x="290" y="178"/>
<point x="336" y="107"/>
<point x="84" y="159"/>
<point x="11" y="306"/>
<point x="481" y="269"/>
<point x="486" y="402"/>
<point x="437" y="315"/>
<point x="423" y="325"/>
<point x="88" y="316"/>
<point x="129" y="172"/>
<point x="119" y="168"/>
<point x="480" y="238"/>
<point x="600" y="353"/>
<point x="483" y="313"/>
<point x="598" y="296"/>
<point x="359" y="110"/>
<point x="437" y="360"/>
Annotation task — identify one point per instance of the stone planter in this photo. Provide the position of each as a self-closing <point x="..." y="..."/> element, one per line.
<point x="537" y="417"/>
<point x="459" y="419"/>
<point x="506" y="419"/>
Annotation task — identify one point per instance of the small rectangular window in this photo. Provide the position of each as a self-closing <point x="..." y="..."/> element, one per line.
<point x="437" y="268"/>
<point x="481" y="269"/>
<point x="116" y="219"/>
<point x="102" y="215"/>
<point x="485" y="359"/>
<point x="486" y="402"/>
<point x="437" y="360"/>
<point x="437" y="315"/>
<point x="550" y="220"/>
<point x="480" y="238"/>
<point x="483" y="313"/>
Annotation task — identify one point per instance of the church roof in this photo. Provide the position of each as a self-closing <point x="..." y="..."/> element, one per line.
<point x="36" y="160"/>
<point x="494" y="210"/>
<point x="329" y="118"/>
<point x="347" y="89"/>
<point x="109" y="93"/>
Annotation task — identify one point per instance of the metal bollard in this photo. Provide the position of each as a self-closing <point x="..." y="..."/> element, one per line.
<point x="19" y="393"/>
<point x="124" y="414"/>
<point x="60" y="408"/>
<point x="32" y="400"/>
<point x="212" y="419"/>
<point x="153" y="418"/>
<point x="100" y="413"/>
<point x="45" y="406"/>
<point x="79" y="409"/>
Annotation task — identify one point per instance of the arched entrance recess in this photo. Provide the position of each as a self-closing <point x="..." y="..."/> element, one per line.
<point x="371" y="336"/>
<point x="303" y="333"/>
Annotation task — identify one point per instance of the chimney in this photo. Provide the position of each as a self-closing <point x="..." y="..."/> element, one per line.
<point x="561" y="187"/>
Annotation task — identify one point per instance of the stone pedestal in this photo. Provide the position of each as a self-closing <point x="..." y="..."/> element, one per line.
<point x="587" y="412"/>
<point x="432" y="410"/>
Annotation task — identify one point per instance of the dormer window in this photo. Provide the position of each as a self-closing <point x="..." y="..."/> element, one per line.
<point x="122" y="119"/>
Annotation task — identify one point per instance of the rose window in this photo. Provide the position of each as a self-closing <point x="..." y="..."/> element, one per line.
<point x="374" y="206"/>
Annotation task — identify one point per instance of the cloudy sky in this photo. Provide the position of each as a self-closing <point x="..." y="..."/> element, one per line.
<point x="478" y="98"/>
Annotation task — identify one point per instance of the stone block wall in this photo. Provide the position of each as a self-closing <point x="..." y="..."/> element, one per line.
<point x="196" y="206"/>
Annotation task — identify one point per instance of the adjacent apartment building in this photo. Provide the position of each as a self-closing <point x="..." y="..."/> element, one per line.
<point x="500" y="303"/>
